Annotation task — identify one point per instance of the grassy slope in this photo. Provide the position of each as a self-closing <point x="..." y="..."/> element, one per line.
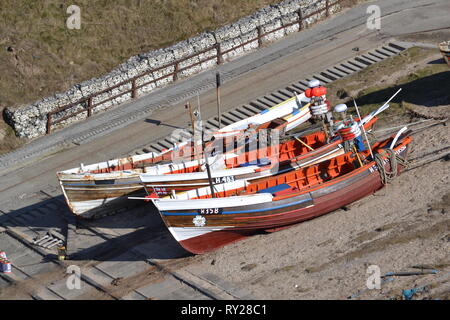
<point x="39" y="55"/>
<point x="421" y="73"/>
<point x="48" y="57"/>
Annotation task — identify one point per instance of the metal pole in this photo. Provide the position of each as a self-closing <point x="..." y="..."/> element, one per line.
<point x="194" y="143"/>
<point x="219" y="117"/>
<point x="133" y="88"/>
<point x="259" y="29"/>
<point x="188" y="107"/>
<point x="175" y="72"/>
<point x="219" y="53"/>
<point x="49" y="122"/>
<point x="300" y="19"/>
<point x="208" y="170"/>
<point x="89" y="111"/>
<point x="363" y="129"/>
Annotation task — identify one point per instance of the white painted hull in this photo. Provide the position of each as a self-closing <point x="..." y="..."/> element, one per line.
<point x="78" y="183"/>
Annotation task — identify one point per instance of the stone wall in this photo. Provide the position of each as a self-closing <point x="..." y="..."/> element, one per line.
<point x="31" y="121"/>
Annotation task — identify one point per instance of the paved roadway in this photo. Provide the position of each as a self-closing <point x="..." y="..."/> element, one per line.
<point x="131" y="126"/>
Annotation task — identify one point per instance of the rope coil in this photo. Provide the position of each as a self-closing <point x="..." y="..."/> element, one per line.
<point x="394" y="161"/>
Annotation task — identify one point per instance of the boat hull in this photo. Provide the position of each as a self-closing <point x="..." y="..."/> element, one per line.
<point x="105" y="191"/>
<point x="89" y="199"/>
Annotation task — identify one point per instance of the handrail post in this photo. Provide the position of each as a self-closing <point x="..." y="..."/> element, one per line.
<point x="175" y="72"/>
<point x="133" y="89"/>
<point x="259" y="35"/>
<point x="327" y="6"/>
<point x="49" y="122"/>
<point x="89" y="106"/>
<point x="300" y="19"/>
<point x="219" y="53"/>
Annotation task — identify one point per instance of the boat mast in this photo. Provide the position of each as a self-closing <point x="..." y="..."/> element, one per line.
<point x="188" y="107"/>
<point x="191" y="114"/>
<point x="363" y="129"/>
<point x="208" y="169"/>
<point x="219" y="116"/>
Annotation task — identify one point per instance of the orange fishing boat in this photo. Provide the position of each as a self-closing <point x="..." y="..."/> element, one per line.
<point x="201" y="222"/>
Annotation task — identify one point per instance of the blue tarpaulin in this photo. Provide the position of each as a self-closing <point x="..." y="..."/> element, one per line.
<point x="257" y="162"/>
<point x="275" y="189"/>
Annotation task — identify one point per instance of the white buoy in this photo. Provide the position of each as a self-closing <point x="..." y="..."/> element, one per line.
<point x="340" y="108"/>
<point x="313" y="83"/>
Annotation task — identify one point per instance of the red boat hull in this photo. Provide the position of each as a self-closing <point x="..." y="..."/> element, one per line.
<point x="322" y="205"/>
<point x="326" y="200"/>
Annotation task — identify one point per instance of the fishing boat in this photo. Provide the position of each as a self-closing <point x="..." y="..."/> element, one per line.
<point x="201" y="222"/>
<point x="98" y="189"/>
<point x="269" y="161"/>
<point x="445" y="50"/>
<point x="254" y="164"/>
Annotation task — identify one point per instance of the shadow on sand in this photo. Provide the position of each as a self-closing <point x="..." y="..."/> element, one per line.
<point x="429" y="91"/>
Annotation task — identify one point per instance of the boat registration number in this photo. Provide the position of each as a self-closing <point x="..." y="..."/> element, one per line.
<point x="210" y="211"/>
<point x="219" y="180"/>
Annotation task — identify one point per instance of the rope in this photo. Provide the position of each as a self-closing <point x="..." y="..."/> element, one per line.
<point x="394" y="162"/>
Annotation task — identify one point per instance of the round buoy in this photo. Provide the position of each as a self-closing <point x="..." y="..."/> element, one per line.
<point x="350" y="131"/>
<point x="313" y="83"/>
<point x="342" y="107"/>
